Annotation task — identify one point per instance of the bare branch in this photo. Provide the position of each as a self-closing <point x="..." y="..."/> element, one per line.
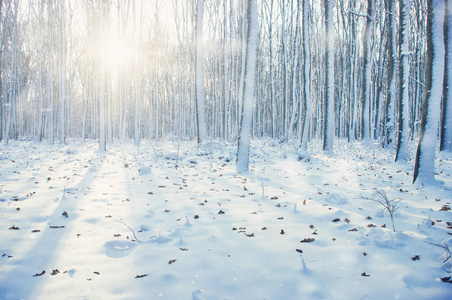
<point x="130" y="230"/>
<point x="445" y="247"/>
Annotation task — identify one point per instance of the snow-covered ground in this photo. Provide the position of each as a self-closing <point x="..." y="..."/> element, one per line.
<point x="170" y="221"/>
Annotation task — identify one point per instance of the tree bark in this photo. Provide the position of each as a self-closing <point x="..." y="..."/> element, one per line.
<point x="446" y="128"/>
<point x="404" y="71"/>
<point x="199" y="86"/>
<point x="367" y="74"/>
<point x="243" y="153"/>
<point x="328" y="117"/>
<point x="425" y="155"/>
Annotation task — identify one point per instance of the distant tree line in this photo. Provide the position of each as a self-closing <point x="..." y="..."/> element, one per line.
<point x="361" y="70"/>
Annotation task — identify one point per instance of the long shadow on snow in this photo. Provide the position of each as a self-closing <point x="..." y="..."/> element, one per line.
<point x="22" y="284"/>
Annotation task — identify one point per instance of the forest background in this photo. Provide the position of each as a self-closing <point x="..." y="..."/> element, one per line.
<point x="117" y="70"/>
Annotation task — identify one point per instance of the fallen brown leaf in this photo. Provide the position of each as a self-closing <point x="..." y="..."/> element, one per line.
<point x="307" y="240"/>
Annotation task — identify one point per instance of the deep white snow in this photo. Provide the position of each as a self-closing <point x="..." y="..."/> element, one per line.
<point x="170" y="221"/>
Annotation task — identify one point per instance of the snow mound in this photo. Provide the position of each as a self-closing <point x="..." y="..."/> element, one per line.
<point x="171" y="155"/>
<point x="336" y="199"/>
<point x="383" y="238"/>
<point x="71" y="151"/>
<point x="304" y="157"/>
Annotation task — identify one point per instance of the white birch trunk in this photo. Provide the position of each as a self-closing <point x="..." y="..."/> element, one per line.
<point x="137" y="107"/>
<point x="404" y="72"/>
<point x="329" y="85"/>
<point x="424" y="169"/>
<point x="202" y="129"/>
<point x="40" y="83"/>
<point x="102" y="136"/>
<point x="367" y="74"/>
<point x="307" y="78"/>
<point x="447" y="134"/>
<point x="225" y="66"/>
<point x="243" y="153"/>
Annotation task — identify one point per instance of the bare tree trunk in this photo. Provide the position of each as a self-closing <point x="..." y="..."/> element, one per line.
<point x="62" y="72"/>
<point x="50" y="79"/>
<point x="367" y="72"/>
<point x="102" y="136"/>
<point x="307" y="102"/>
<point x="446" y="128"/>
<point x="243" y="153"/>
<point x="200" y="108"/>
<point x="425" y="155"/>
<point x="295" y="61"/>
<point x="225" y="69"/>
<point x="1" y="69"/>
<point x="40" y="81"/>
<point x="390" y="77"/>
<point x="328" y="127"/>
<point x="404" y="72"/>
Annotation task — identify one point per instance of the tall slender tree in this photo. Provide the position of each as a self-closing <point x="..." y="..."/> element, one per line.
<point x="199" y="86"/>
<point x="225" y="69"/>
<point x="1" y="69"/>
<point x="446" y="128"/>
<point x="390" y="83"/>
<point x="328" y="116"/>
<point x="102" y="134"/>
<point x="307" y="102"/>
<point x="425" y="155"/>
<point x="367" y="73"/>
<point x="404" y="72"/>
<point x="243" y="152"/>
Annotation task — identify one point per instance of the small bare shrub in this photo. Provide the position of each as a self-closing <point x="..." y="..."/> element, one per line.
<point x="390" y="205"/>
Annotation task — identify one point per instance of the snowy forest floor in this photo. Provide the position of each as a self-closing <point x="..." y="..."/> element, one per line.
<point x="169" y="221"/>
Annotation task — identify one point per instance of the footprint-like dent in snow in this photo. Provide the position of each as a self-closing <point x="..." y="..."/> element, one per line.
<point x="92" y="220"/>
<point x="100" y="200"/>
<point x="161" y="240"/>
<point x="144" y="227"/>
<point x="416" y="280"/>
<point x="39" y="219"/>
<point x="71" y="272"/>
<point x="144" y="170"/>
<point x="117" y="249"/>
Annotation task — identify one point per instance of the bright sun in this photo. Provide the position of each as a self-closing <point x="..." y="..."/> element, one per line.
<point x="118" y="53"/>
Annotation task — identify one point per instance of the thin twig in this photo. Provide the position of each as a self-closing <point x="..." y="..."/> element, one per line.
<point x="130" y="230"/>
<point x="446" y="248"/>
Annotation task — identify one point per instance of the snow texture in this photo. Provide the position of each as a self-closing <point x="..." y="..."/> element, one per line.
<point x="204" y="231"/>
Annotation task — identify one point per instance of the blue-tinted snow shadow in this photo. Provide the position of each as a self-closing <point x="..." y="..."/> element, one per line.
<point x="22" y="283"/>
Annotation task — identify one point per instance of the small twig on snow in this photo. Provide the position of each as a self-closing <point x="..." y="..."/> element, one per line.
<point x="445" y="247"/>
<point x="136" y="239"/>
